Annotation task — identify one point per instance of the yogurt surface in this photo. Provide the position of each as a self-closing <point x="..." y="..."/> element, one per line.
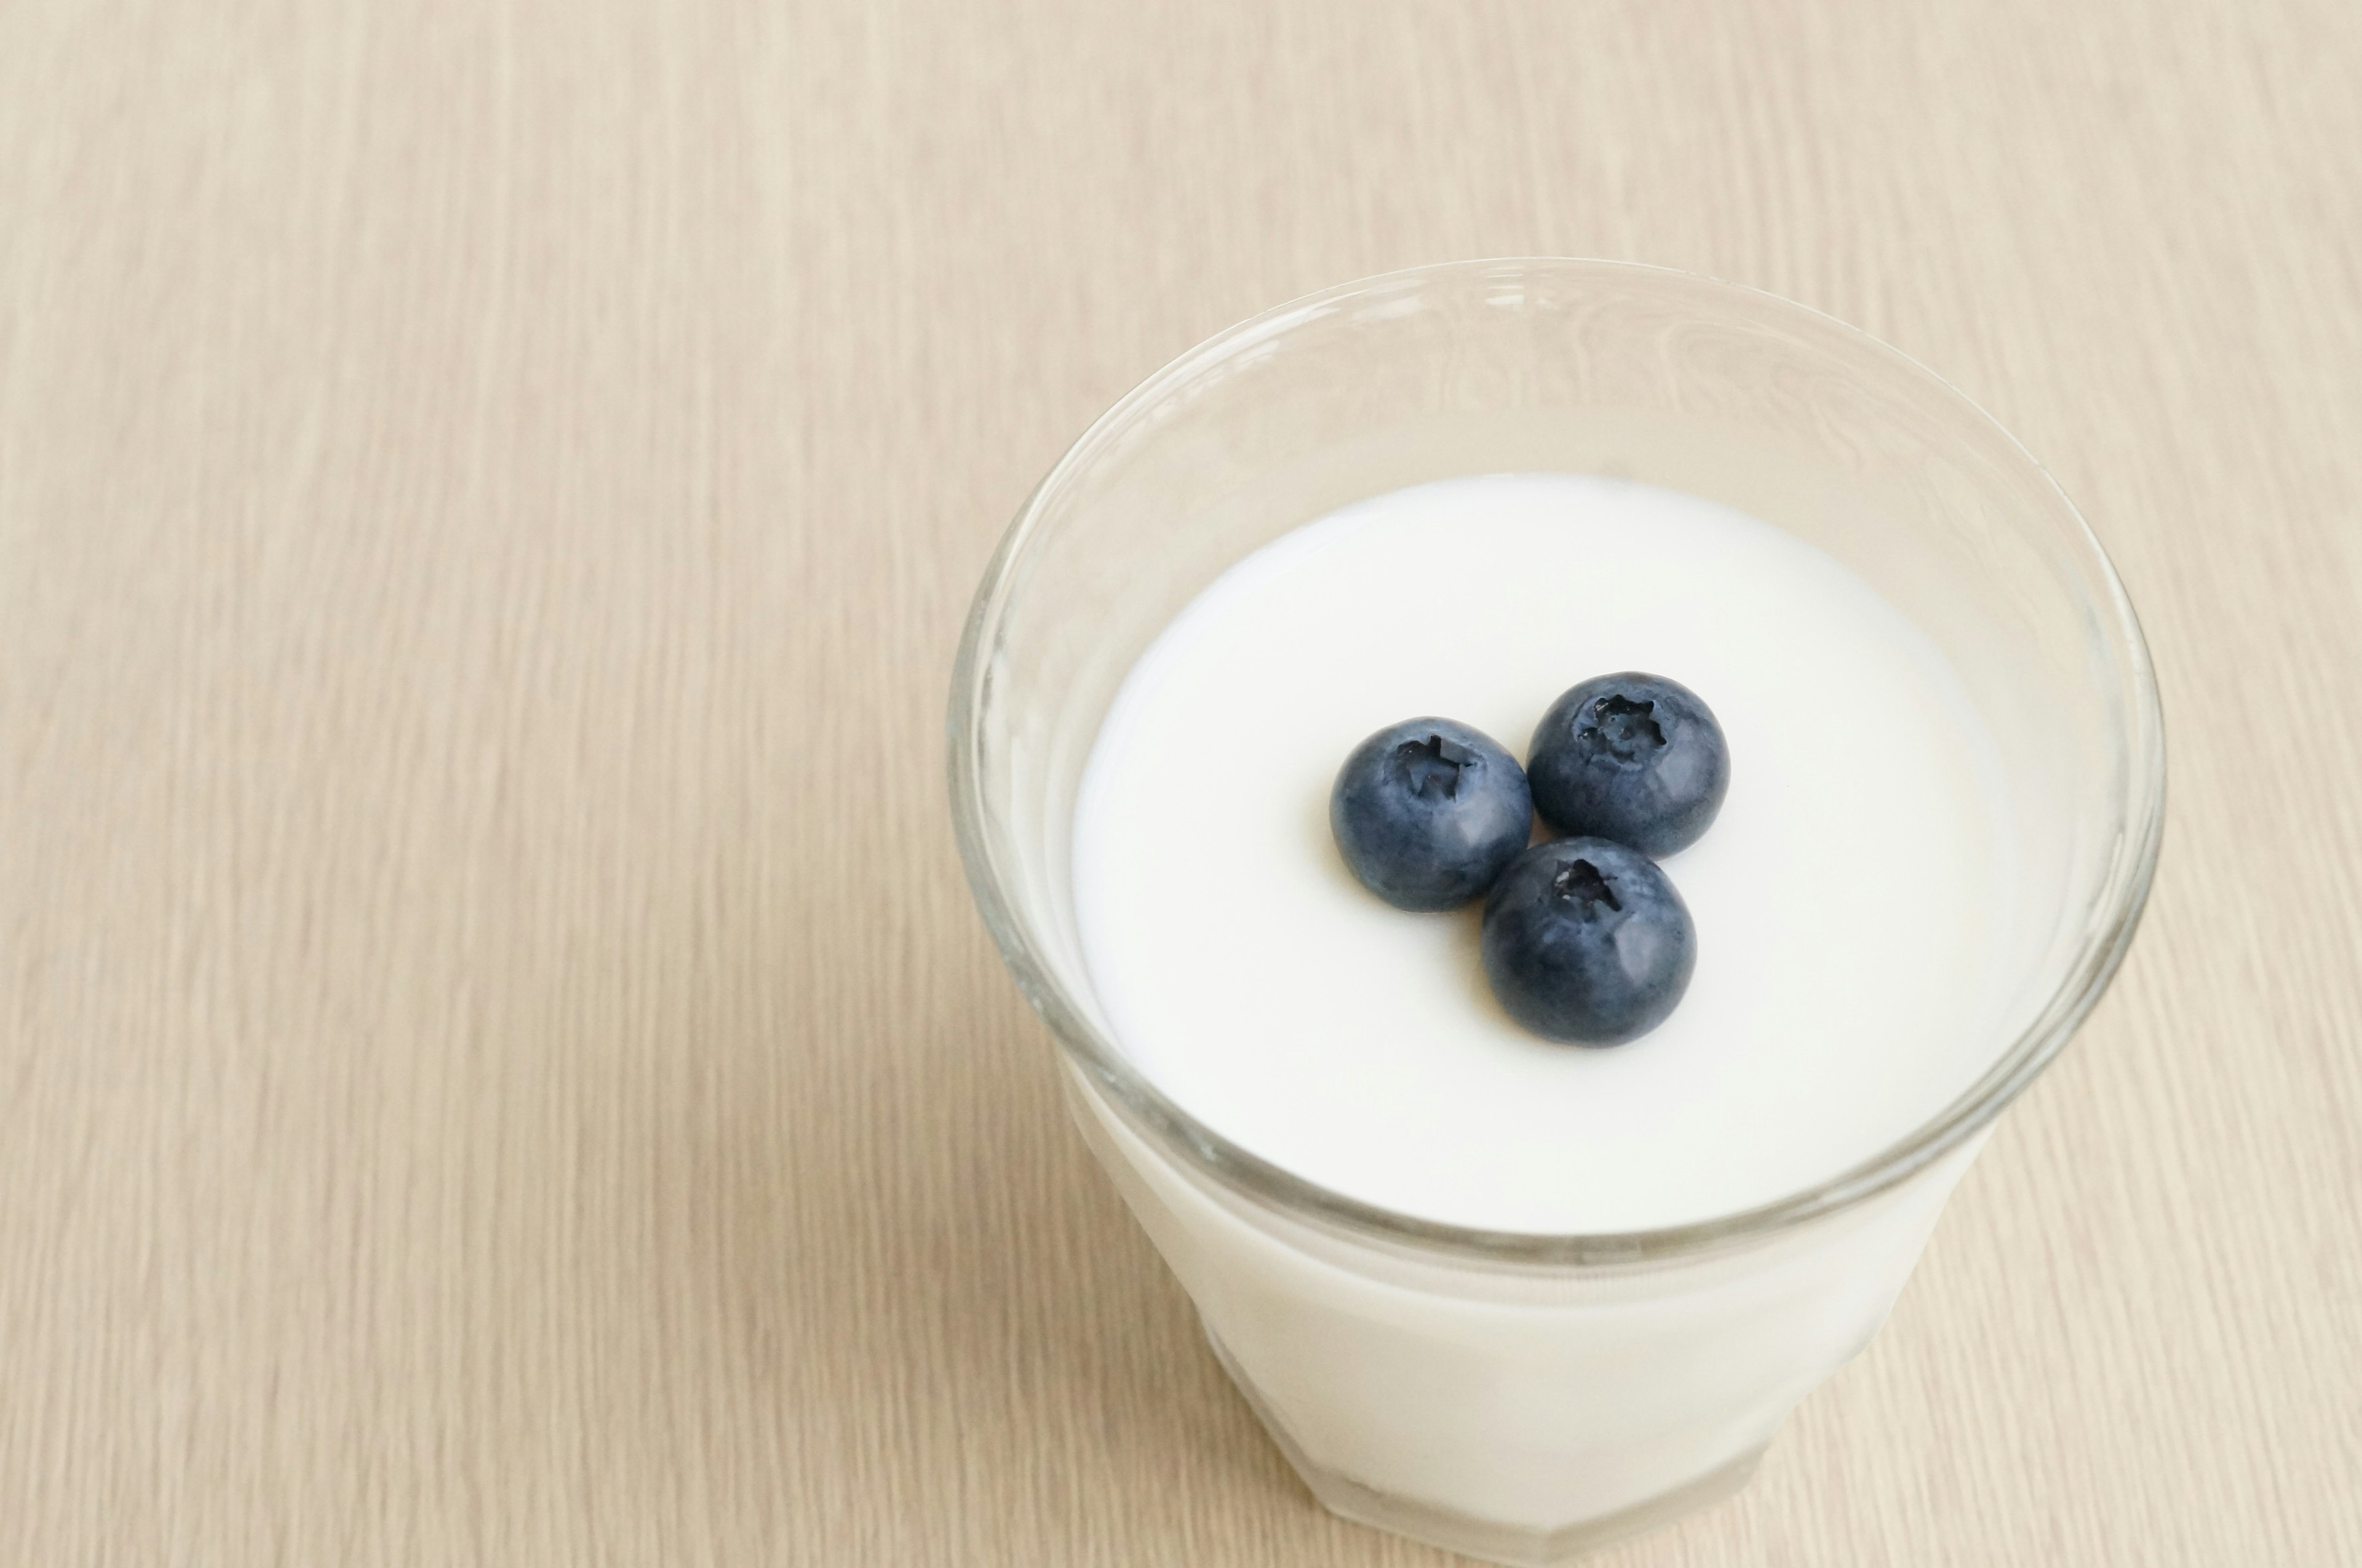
<point x="1848" y="899"/>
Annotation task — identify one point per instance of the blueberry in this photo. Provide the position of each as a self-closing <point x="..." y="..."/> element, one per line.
<point x="1428" y="811"/>
<point x="1633" y="757"/>
<point x="1586" y="941"/>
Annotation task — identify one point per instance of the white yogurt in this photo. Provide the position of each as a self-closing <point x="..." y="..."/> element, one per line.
<point x="1848" y="899"/>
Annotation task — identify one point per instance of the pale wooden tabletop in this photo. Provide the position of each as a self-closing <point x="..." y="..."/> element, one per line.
<point x="499" y="1063"/>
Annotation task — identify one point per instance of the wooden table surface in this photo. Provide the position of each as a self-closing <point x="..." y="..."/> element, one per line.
<point x="497" y="1062"/>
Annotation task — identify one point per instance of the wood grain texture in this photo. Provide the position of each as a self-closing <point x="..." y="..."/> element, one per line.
<point x="497" y="1063"/>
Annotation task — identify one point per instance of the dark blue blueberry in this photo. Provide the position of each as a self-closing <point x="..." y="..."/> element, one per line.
<point x="1586" y="942"/>
<point x="1428" y="811"/>
<point x="1633" y="757"/>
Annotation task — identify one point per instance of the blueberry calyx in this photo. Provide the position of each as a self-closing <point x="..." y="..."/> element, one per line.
<point x="1580" y="883"/>
<point x="1621" y="728"/>
<point x="1432" y="766"/>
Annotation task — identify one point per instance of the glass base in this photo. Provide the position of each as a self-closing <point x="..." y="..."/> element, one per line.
<point x="1516" y="1546"/>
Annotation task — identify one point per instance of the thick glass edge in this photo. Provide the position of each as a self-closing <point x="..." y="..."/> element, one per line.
<point x="2123" y="897"/>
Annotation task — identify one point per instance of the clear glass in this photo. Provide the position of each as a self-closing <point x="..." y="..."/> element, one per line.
<point x="1512" y="1396"/>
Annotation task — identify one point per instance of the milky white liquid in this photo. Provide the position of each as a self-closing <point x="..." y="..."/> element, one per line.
<point x="1848" y="899"/>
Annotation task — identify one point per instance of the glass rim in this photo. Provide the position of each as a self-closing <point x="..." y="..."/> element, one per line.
<point x="2113" y="914"/>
